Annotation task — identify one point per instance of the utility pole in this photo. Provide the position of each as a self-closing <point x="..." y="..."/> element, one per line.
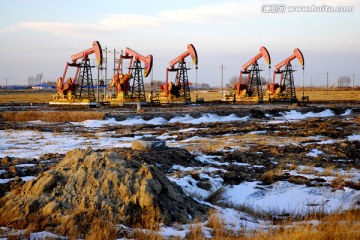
<point x="353" y="82"/>
<point x="115" y="61"/>
<point x="105" y="80"/>
<point x="196" y="86"/>
<point x="222" y="81"/>
<point x="327" y="81"/>
<point x="303" y="97"/>
<point x="98" y="83"/>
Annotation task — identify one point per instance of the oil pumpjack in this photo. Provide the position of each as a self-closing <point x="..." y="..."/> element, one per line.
<point x="128" y="91"/>
<point x="80" y="89"/>
<point x="285" y="90"/>
<point x="251" y="89"/>
<point x="178" y="92"/>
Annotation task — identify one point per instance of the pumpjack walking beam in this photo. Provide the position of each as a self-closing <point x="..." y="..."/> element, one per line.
<point x="252" y="84"/>
<point x="180" y="89"/>
<point x="286" y="86"/>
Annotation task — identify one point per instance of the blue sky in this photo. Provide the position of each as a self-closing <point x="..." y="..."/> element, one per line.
<point x="40" y="36"/>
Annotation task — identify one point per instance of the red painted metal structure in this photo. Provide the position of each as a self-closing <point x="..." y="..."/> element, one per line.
<point x="181" y="87"/>
<point x="136" y="57"/>
<point x="121" y="80"/>
<point x="253" y="83"/>
<point x="297" y="54"/>
<point x="84" y="55"/>
<point x="286" y="86"/>
<point x="84" y="65"/>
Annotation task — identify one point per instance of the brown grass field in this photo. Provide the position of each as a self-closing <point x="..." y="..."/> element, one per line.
<point x="314" y="94"/>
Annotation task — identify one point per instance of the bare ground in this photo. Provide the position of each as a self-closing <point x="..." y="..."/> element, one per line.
<point x="272" y="147"/>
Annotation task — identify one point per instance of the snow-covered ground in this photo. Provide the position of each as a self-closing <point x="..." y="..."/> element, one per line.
<point x="281" y="196"/>
<point x="32" y="144"/>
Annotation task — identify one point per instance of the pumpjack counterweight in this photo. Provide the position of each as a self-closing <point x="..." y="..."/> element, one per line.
<point x="250" y="88"/>
<point x="285" y="89"/>
<point x="80" y="89"/>
<point x="127" y="90"/>
<point x="178" y="91"/>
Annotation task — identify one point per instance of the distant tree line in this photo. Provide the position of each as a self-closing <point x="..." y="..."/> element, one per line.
<point x="235" y="79"/>
<point x="155" y="85"/>
<point x="344" y="81"/>
<point x="39" y="79"/>
<point x="33" y="80"/>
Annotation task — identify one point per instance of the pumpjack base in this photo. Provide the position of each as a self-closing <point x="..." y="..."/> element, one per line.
<point x="118" y="99"/>
<point x="70" y="99"/>
<point x="168" y="99"/>
<point x="282" y="99"/>
<point x="279" y="98"/>
<point x="228" y="97"/>
<point x="74" y="103"/>
<point x="249" y="99"/>
<point x="173" y="101"/>
<point x="122" y="99"/>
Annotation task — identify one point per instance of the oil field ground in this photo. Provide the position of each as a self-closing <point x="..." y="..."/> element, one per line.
<point x="229" y="171"/>
<point x="314" y="94"/>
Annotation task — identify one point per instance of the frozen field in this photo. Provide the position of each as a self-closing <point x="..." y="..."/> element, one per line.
<point x="292" y="142"/>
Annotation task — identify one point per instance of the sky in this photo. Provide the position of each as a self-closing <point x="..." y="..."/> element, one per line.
<point x="39" y="36"/>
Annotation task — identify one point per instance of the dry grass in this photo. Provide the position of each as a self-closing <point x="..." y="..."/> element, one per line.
<point x="215" y="196"/>
<point x="196" y="232"/>
<point x="329" y="171"/>
<point x="65" y="116"/>
<point x="219" y="228"/>
<point x="145" y="235"/>
<point x="271" y="176"/>
<point x="291" y="167"/>
<point x="315" y="94"/>
<point x="308" y="169"/>
<point x="26" y="96"/>
<point x="101" y="229"/>
<point x="150" y="219"/>
<point x="338" y="182"/>
<point x="336" y="226"/>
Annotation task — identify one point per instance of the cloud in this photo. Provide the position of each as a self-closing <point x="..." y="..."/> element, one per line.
<point x="215" y="13"/>
<point x="60" y="28"/>
<point x="206" y="14"/>
<point x="223" y="13"/>
<point x="124" y="21"/>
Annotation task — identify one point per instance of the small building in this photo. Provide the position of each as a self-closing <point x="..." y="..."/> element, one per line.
<point x="42" y="86"/>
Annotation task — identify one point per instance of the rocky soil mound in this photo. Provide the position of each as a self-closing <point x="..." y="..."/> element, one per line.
<point x="88" y="184"/>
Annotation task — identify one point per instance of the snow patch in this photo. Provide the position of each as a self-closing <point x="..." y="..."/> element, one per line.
<point x="204" y="118"/>
<point x="295" y="115"/>
<point x="45" y="235"/>
<point x="314" y="152"/>
<point x="25" y="165"/>
<point x="25" y="178"/>
<point x="347" y="112"/>
<point x="279" y="197"/>
<point x="210" y="160"/>
<point x="354" y="137"/>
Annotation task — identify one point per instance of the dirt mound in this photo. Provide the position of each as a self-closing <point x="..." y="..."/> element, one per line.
<point x="164" y="160"/>
<point x="87" y="184"/>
